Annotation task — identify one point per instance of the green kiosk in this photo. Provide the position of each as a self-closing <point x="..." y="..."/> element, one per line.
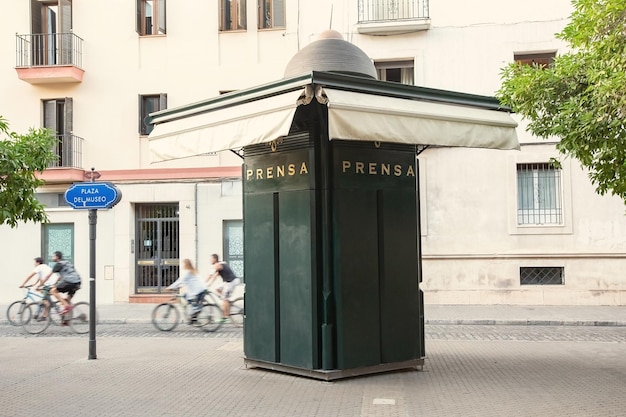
<point x="331" y="204"/>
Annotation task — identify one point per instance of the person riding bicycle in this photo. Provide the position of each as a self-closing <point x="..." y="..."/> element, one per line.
<point x="41" y="271"/>
<point x="69" y="281"/>
<point x="195" y="288"/>
<point x="229" y="282"/>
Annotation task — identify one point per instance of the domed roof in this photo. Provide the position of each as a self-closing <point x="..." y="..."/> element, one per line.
<point x="331" y="53"/>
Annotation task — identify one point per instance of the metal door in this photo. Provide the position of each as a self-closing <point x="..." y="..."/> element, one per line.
<point x="156" y="247"/>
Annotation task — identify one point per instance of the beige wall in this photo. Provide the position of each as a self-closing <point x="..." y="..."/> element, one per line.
<point x="472" y="246"/>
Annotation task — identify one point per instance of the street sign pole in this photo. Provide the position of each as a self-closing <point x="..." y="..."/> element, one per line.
<point x="93" y="221"/>
<point x="92" y="196"/>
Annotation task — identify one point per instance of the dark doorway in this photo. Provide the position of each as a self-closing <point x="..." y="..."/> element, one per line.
<point x="156" y="247"/>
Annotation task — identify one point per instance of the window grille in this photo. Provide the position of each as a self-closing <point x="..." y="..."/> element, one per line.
<point x="233" y="245"/>
<point x="541" y="275"/>
<point x="539" y="197"/>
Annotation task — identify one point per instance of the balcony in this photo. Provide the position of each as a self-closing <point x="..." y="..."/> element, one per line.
<point x="46" y="58"/>
<point x="392" y="17"/>
<point x="69" y="151"/>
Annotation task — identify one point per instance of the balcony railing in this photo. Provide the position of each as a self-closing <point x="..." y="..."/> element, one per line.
<point x="69" y="151"/>
<point x="392" y="10"/>
<point x="49" y="49"/>
<point x="389" y="17"/>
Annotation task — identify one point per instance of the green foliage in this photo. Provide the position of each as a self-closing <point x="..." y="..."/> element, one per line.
<point x="581" y="98"/>
<point x="21" y="158"/>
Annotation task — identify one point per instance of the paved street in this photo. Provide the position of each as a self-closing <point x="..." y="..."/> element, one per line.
<point x="470" y="370"/>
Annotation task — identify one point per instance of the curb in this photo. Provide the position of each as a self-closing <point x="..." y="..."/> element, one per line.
<point x="489" y="322"/>
<point x="441" y="322"/>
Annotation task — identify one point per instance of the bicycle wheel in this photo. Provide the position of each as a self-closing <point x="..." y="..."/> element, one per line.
<point x="14" y="311"/>
<point x="32" y="320"/>
<point x="165" y="317"/>
<point x="237" y="311"/>
<point x="210" y="317"/>
<point x="79" y="317"/>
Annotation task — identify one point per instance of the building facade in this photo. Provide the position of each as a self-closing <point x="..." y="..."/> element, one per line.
<point x="501" y="227"/>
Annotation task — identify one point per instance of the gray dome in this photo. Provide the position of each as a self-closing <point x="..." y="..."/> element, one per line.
<point x="331" y="53"/>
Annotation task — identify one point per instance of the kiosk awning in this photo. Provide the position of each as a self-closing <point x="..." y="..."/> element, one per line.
<point x="352" y="115"/>
<point x="225" y="128"/>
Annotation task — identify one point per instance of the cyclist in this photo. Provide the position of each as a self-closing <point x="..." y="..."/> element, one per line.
<point x="69" y="281"/>
<point x="229" y="282"/>
<point x="41" y="271"/>
<point x="195" y="288"/>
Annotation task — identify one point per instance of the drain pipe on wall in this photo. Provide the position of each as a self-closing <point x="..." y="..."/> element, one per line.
<point x="195" y="221"/>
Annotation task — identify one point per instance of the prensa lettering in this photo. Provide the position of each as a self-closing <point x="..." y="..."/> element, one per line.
<point x="277" y="171"/>
<point x="377" y="168"/>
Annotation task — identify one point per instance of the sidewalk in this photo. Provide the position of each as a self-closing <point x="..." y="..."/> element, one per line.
<point x="442" y="314"/>
<point x="120" y="313"/>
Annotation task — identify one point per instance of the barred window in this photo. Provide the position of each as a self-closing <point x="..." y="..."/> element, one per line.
<point x="539" y="199"/>
<point x="541" y="275"/>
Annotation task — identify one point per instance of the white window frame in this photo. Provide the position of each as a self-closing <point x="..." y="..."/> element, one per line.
<point x="406" y="67"/>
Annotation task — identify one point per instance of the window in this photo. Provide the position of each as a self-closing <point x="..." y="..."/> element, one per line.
<point x="233" y="245"/>
<point x="397" y="71"/>
<point x="539" y="199"/>
<point x="51" y="26"/>
<point x="57" y="116"/>
<point x="149" y="104"/>
<point x="232" y="15"/>
<point x="271" y="14"/>
<point x="58" y="237"/>
<point x="52" y="200"/>
<point x="543" y="59"/>
<point x="541" y="275"/>
<point x="151" y="17"/>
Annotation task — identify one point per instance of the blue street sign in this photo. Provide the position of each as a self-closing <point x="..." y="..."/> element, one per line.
<point x="92" y="195"/>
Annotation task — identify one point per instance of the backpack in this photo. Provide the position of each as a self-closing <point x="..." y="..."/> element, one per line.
<point x="69" y="274"/>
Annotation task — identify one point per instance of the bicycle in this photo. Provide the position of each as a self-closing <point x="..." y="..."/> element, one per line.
<point x="166" y="316"/>
<point x="237" y="308"/>
<point x="14" y="311"/>
<point x="33" y="321"/>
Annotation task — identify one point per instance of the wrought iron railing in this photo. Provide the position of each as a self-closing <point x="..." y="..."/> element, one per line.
<point x="69" y="151"/>
<point x="392" y="10"/>
<point x="49" y="49"/>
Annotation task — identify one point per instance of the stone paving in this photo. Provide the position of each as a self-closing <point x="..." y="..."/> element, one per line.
<point x="470" y="370"/>
<point x="574" y="367"/>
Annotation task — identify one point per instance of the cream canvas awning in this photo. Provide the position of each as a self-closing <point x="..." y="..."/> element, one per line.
<point x="352" y="115"/>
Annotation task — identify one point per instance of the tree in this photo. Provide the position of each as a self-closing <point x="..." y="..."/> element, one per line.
<point x="581" y="97"/>
<point x="21" y="158"/>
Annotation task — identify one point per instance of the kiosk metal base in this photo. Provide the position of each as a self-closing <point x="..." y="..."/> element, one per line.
<point x="334" y="374"/>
